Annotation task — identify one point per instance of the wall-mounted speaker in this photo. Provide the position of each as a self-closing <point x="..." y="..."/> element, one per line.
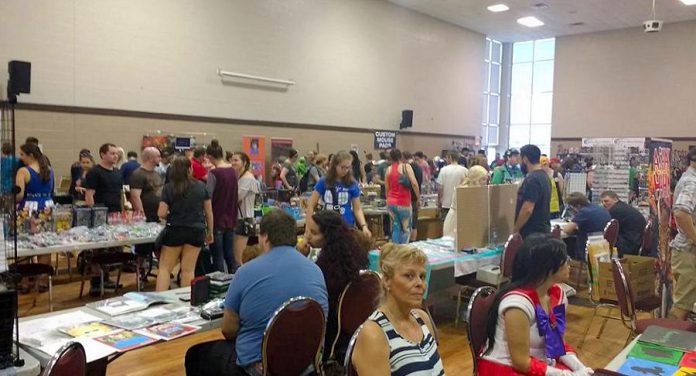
<point x="20" y="77"/>
<point x="406" y="119"/>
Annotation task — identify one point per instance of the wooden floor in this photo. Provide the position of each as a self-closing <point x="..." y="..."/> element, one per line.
<point x="168" y="358"/>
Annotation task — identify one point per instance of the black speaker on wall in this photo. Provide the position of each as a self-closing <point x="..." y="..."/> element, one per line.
<point x="406" y="119"/>
<point x="20" y="77"/>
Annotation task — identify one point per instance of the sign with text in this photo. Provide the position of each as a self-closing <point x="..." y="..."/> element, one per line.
<point x="385" y="140"/>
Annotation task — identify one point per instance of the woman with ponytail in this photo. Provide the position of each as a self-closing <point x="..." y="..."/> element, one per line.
<point x="248" y="189"/>
<point x="35" y="183"/>
<point x="343" y="254"/>
<point x="222" y="188"/>
<point x="532" y="300"/>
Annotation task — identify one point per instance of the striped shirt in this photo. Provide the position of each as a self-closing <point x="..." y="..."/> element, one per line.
<point x="406" y="357"/>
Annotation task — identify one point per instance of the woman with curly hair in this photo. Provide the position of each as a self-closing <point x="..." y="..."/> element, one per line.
<point x="343" y="255"/>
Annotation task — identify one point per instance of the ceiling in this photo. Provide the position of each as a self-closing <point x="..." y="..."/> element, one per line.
<point x="596" y="15"/>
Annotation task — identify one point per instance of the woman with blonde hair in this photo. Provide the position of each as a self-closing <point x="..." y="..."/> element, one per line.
<point x="477" y="176"/>
<point x="398" y="338"/>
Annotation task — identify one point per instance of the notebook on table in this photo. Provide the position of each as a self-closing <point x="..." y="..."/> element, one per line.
<point x="673" y="338"/>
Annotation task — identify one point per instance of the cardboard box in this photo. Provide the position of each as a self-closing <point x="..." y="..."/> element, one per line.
<point x="639" y="272"/>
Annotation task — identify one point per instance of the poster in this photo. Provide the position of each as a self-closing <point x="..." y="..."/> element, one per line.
<point x="385" y="140"/>
<point x="660" y="198"/>
<point x="160" y="142"/>
<point x="255" y="147"/>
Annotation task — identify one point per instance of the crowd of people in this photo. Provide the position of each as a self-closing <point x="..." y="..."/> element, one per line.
<point x="206" y="196"/>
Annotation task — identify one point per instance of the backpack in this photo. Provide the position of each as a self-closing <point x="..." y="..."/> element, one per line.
<point x="304" y="182"/>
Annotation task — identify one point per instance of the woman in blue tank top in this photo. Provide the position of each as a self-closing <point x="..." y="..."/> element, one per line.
<point x="35" y="180"/>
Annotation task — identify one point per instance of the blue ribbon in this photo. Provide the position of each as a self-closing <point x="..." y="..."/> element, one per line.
<point x="552" y="332"/>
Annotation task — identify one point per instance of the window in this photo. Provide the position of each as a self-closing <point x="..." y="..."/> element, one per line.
<point x="531" y="93"/>
<point x="491" y="93"/>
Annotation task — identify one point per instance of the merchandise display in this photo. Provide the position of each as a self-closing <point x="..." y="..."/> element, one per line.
<point x="83" y="234"/>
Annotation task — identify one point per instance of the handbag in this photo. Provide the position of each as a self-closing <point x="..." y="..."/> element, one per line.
<point x="404" y="181"/>
<point x="247" y="226"/>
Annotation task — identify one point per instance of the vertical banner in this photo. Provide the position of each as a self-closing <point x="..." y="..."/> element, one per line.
<point x="279" y="148"/>
<point x="255" y="147"/>
<point x="660" y="198"/>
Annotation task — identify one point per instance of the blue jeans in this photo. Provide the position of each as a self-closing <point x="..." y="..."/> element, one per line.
<point x="223" y="250"/>
<point x="400" y="214"/>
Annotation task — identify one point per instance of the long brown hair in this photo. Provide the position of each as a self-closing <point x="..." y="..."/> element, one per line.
<point x="246" y="160"/>
<point x="179" y="176"/>
<point x="332" y="176"/>
<point x="34" y="151"/>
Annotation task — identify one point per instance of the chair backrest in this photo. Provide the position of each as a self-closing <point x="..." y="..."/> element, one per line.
<point x="477" y="315"/>
<point x="348" y="363"/>
<point x="611" y="233"/>
<point x="357" y="301"/>
<point x="70" y="360"/>
<point x="513" y="244"/>
<point x="556" y="232"/>
<point x="293" y="338"/>
<point x="647" y="240"/>
<point x="623" y="291"/>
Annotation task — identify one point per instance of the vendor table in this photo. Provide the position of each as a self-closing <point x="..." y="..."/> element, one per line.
<point x="31" y="366"/>
<point x="444" y="263"/>
<point x="44" y="358"/>
<point x="80" y="246"/>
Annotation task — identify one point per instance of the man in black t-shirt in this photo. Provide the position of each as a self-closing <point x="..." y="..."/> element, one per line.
<point x="104" y="182"/>
<point x="532" y="214"/>
<point x="415" y="204"/>
<point x="631" y="223"/>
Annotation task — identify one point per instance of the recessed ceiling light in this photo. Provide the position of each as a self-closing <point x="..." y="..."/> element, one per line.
<point x="689" y="2"/>
<point x="498" y="8"/>
<point x="530" y="21"/>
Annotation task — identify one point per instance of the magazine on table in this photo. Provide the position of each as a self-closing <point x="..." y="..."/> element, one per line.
<point x="88" y="329"/>
<point x="125" y="340"/>
<point x="156" y="315"/>
<point x="130" y="302"/>
<point x="168" y="331"/>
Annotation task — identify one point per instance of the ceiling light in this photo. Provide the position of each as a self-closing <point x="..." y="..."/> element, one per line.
<point x="689" y="2"/>
<point x="498" y="8"/>
<point x="530" y="21"/>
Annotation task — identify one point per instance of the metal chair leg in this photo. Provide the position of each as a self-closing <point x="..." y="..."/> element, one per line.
<point x="604" y="322"/>
<point x="82" y="286"/>
<point x="101" y="277"/>
<point x="50" y="293"/>
<point x="630" y="337"/>
<point x="587" y="330"/>
<point x="459" y="307"/>
<point x="118" y="278"/>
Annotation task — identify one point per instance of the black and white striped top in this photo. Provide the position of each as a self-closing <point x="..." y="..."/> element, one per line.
<point x="406" y="357"/>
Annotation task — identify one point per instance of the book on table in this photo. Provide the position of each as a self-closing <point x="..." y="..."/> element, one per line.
<point x="168" y="331"/>
<point x="673" y="338"/>
<point x="685" y="371"/>
<point x="130" y="302"/>
<point x="689" y="360"/>
<point x="88" y="329"/>
<point x="125" y="340"/>
<point x="636" y="366"/>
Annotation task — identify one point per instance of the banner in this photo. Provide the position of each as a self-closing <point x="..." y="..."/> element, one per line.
<point x="660" y="198"/>
<point x="255" y="147"/>
<point x="160" y="142"/>
<point x="385" y="140"/>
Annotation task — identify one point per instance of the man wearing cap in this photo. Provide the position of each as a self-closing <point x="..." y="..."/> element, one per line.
<point x="509" y="172"/>
<point x="684" y="244"/>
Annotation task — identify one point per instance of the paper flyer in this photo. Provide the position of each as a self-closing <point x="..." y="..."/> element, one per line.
<point x="125" y="340"/>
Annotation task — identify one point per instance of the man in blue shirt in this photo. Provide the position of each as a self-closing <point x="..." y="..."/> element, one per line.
<point x="589" y="218"/>
<point x="129" y="167"/>
<point x="259" y="288"/>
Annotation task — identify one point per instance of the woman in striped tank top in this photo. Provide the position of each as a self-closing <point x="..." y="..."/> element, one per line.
<point x="398" y="338"/>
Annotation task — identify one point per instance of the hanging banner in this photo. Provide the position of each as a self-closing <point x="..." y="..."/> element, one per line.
<point x="660" y="198"/>
<point x="385" y="140"/>
<point x="255" y="147"/>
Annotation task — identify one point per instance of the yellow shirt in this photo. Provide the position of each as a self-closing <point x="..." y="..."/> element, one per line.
<point x="555" y="203"/>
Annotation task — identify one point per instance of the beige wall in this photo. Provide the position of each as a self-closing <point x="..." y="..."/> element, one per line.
<point x="626" y="83"/>
<point x="62" y="135"/>
<point x="356" y="63"/>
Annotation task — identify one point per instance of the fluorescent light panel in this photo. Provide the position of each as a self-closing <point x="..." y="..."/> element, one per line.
<point x="501" y="8"/>
<point x="689" y="2"/>
<point x="530" y="21"/>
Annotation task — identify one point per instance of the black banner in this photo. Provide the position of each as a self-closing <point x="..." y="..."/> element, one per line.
<point x="385" y="140"/>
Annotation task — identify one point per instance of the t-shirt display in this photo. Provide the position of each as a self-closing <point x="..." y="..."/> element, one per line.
<point x="107" y="184"/>
<point x="339" y="198"/>
<point x="449" y="178"/>
<point x="535" y="188"/>
<point x="150" y="185"/>
<point x="186" y="211"/>
<point x="631" y="227"/>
